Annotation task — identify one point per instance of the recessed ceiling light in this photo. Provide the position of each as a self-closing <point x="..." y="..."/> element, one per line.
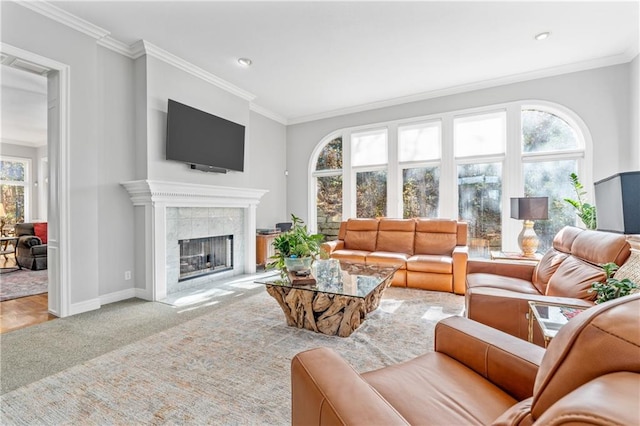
<point x="542" y="36"/>
<point x="245" y="62"/>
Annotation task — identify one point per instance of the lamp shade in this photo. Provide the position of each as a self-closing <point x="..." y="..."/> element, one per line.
<point x="530" y="208"/>
<point x="618" y="203"/>
<point x="2" y="213"/>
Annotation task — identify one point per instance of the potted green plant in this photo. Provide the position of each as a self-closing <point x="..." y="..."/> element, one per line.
<point x="295" y="249"/>
<point x="585" y="211"/>
<point x="612" y="288"/>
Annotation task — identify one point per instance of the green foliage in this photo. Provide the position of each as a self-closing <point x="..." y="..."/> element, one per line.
<point x="612" y="288"/>
<point x="296" y="242"/>
<point x="585" y="211"/>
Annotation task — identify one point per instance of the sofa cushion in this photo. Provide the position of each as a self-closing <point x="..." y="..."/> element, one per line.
<point x="388" y="258"/>
<point x="563" y="240"/>
<point x="40" y="231"/>
<point x="501" y="282"/>
<point x="435" y="236"/>
<point x="396" y="235"/>
<point x="436" y="389"/>
<point x="601" y="247"/>
<point x="430" y="263"/>
<point x="358" y="256"/>
<point x="361" y="234"/>
<point x="574" y="278"/>
<point x="547" y="266"/>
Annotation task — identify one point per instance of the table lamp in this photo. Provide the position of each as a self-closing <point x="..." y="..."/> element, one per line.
<point x="529" y="209"/>
<point x="618" y="204"/>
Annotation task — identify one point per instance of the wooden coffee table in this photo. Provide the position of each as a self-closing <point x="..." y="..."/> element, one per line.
<point x="344" y="293"/>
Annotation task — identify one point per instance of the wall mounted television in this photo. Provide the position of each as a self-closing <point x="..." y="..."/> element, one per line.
<point x="202" y="140"/>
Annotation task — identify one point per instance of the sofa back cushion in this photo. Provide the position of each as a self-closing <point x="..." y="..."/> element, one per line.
<point x="545" y="269"/>
<point x="600" y="247"/>
<point x="396" y="235"/>
<point x="40" y="231"/>
<point x="24" y="229"/>
<point x="573" y="278"/>
<point x="436" y="236"/>
<point x="361" y="234"/>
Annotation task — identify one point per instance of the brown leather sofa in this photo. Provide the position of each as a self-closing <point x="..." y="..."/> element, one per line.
<point x="498" y="292"/>
<point x="431" y="254"/>
<point x="30" y="251"/>
<point x="477" y="375"/>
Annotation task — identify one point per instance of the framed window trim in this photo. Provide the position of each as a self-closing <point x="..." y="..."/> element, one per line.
<point x="513" y="159"/>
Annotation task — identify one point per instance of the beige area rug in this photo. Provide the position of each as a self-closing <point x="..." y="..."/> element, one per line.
<point x="230" y="367"/>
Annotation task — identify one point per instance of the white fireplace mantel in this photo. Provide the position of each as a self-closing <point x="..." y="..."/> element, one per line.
<point x="155" y="196"/>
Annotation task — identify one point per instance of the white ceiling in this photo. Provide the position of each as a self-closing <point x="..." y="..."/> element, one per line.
<point x="316" y="59"/>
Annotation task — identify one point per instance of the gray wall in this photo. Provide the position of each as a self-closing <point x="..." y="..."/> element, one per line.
<point x="117" y="120"/>
<point x="634" y="114"/>
<point x="599" y="96"/>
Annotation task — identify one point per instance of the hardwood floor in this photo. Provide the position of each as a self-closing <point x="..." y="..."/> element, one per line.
<point x="24" y="311"/>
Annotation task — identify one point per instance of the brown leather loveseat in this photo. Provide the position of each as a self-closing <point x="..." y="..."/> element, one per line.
<point x="431" y="254"/>
<point x="498" y="292"/>
<point x="477" y="375"/>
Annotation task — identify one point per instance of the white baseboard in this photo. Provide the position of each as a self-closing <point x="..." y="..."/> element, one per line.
<point x="86" y="306"/>
<point x="143" y="294"/>
<point x="117" y="296"/>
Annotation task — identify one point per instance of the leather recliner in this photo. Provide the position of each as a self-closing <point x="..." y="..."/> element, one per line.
<point x="589" y="374"/>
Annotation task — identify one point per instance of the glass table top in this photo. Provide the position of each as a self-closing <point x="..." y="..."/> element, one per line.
<point x="552" y="317"/>
<point x="341" y="278"/>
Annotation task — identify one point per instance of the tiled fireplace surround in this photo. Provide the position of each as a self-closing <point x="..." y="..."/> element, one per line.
<point x="169" y="211"/>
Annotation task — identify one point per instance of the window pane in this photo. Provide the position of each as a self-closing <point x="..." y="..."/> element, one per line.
<point x="371" y="194"/>
<point x="369" y="148"/>
<point x="331" y="156"/>
<point x="12" y="199"/>
<point x="542" y="131"/>
<point x="551" y="179"/>
<point x="329" y="206"/>
<point x="419" y="142"/>
<point x="420" y="192"/>
<point x="479" y="203"/>
<point x="480" y="134"/>
<point x="12" y="170"/>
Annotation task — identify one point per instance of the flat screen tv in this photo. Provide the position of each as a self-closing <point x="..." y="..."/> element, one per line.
<point x="617" y="203"/>
<point x="202" y="140"/>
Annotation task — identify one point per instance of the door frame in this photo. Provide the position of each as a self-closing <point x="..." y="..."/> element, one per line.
<point x="58" y="141"/>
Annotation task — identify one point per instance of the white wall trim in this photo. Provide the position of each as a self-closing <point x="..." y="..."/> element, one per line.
<point x="117" y="296"/>
<point x="117" y="46"/>
<point x="502" y="81"/>
<point x="268" y="113"/>
<point x="53" y="12"/>
<point x="86" y="306"/>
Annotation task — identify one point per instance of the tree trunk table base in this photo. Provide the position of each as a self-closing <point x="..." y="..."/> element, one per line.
<point x="331" y="314"/>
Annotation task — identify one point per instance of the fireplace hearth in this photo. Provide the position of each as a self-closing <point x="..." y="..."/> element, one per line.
<point x="204" y="256"/>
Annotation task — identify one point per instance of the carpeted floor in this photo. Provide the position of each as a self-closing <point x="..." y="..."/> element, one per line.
<point x="21" y="283"/>
<point x="230" y="366"/>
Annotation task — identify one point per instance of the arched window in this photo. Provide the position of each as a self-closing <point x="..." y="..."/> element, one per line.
<point x="412" y="168"/>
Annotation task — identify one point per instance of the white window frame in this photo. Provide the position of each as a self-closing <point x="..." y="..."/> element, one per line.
<point x="512" y="160"/>
<point x="26" y="184"/>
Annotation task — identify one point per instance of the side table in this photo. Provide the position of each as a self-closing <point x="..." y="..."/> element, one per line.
<point x="550" y="317"/>
<point x="5" y="243"/>
<point x="504" y="255"/>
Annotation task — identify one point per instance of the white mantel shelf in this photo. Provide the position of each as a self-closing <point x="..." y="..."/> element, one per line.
<point x="155" y="196"/>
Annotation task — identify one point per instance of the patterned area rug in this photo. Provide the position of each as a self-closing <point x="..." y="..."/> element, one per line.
<point x="227" y="367"/>
<point x="22" y="283"/>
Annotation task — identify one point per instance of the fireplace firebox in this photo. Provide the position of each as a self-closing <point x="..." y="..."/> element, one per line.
<point x="204" y="256"/>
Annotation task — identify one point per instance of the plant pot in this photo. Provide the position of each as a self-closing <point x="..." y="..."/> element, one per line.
<point x="295" y="264"/>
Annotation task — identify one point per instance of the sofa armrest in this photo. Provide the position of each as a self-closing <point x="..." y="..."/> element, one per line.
<point x="28" y="241"/>
<point x="331" y="246"/>
<point x="460" y="257"/>
<point x="508" y="310"/>
<point x="506" y="361"/>
<point x="505" y="268"/>
<point x="325" y="389"/>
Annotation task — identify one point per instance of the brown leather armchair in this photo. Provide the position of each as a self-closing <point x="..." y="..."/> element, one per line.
<point x="590" y="374"/>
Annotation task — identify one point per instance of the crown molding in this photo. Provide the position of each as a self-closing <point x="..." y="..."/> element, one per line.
<point x="117" y="46"/>
<point x="268" y="113"/>
<point x="53" y="12"/>
<point x="502" y="81"/>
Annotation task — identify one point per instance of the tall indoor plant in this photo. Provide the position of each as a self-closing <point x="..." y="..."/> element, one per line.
<point x="585" y="211"/>
<point x="296" y="243"/>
